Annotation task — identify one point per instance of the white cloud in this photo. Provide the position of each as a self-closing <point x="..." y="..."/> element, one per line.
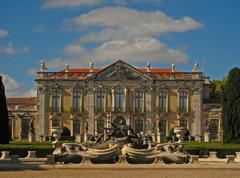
<point x="123" y="2"/>
<point x="123" y="23"/>
<point x="15" y="89"/>
<point x="138" y="50"/>
<point x="68" y="3"/>
<point x="10" y="49"/>
<point x="32" y="72"/>
<point x="60" y="63"/>
<point x="12" y="87"/>
<point x="3" y="33"/>
<point x="75" y="50"/>
<point x="31" y="92"/>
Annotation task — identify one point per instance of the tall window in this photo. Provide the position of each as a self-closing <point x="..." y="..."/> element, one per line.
<point x="139" y="101"/>
<point x="25" y="128"/>
<point x="163" y="101"/>
<point x="76" y="101"/>
<point x="213" y="128"/>
<point x="56" y="122"/>
<point x="184" y="123"/>
<point x="119" y="94"/>
<point x="56" y="100"/>
<point x="138" y="125"/>
<point x="163" y="130"/>
<point x="100" y="101"/>
<point x="183" y="101"/>
<point x="100" y="125"/>
<point x="76" y="127"/>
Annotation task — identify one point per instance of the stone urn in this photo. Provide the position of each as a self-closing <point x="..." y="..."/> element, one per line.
<point x="56" y="133"/>
<point x="179" y="131"/>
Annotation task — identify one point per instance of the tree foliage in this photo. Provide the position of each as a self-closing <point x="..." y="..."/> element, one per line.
<point x="4" y="126"/>
<point x="216" y="88"/>
<point x="231" y="107"/>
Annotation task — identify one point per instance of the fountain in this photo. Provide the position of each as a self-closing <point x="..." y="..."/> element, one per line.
<point x="179" y="131"/>
<point x="56" y="133"/>
<point x="122" y="142"/>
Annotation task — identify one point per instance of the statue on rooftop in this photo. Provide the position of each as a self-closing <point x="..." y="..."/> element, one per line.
<point x="43" y="67"/>
<point x="196" y="67"/>
<point x="173" y="68"/>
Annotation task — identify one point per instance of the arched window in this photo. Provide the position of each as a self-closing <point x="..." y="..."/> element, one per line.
<point x="138" y="123"/>
<point x="119" y="96"/>
<point x="76" y="101"/>
<point x="56" y="122"/>
<point x="183" y="101"/>
<point x="76" y="127"/>
<point x="139" y="98"/>
<point x="56" y="100"/>
<point x="162" y="101"/>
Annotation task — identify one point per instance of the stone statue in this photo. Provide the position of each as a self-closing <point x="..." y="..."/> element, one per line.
<point x="43" y="67"/>
<point x="196" y="67"/>
<point x="148" y="66"/>
<point x="31" y="127"/>
<point x="66" y="67"/>
<point x="91" y="65"/>
<point x="173" y="68"/>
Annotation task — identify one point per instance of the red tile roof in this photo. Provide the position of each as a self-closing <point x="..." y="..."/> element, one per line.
<point x="27" y="101"/>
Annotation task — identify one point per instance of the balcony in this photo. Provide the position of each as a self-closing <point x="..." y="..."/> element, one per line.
<point x="76" y="110"/>
<point x="183" y="110"/>
<point x="55" y="109"/>
<point x="99" y="110"/>
<point x="161" y="110"/>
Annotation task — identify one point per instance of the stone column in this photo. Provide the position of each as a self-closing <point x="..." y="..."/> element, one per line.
<point x="197" y="107"/>
<point x="42" y="112"/>
<point x="125" y="100"/>
<point x="90" y="119"/>
<point x="149" y="112"/>
<point x="113" y="100"/>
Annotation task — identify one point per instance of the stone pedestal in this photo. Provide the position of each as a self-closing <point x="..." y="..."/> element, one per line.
<point x="5" y="154"/>
<point x="78" y="139"/>
<point x="31" y="154"/>
<point x="158" y="139"/>
<point x="207" y="137"/>
<point x="31" y="137"/>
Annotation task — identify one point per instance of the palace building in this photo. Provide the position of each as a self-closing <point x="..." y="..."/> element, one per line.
<point x="150" y="100"/>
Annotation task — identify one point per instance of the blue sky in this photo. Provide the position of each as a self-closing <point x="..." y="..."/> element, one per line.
<point x="77" y="31"/>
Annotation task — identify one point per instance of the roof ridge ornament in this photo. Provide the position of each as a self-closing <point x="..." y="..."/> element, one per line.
<point x="66" y="67"/>
<point x="91" y="64"/>
<point x="148" y="66"/>
<point x="173" y="68"/>
<point x="196" y="67"/>
<point x="43" y="67"/>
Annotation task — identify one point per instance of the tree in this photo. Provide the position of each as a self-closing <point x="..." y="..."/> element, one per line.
<point x="4" y="126"/>
<point x="231" y="107"/>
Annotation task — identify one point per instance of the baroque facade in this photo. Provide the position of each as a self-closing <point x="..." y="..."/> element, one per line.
<point x="150" y="100"/>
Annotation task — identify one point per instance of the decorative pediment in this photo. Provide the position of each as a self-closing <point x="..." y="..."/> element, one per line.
<point x="120" y="71"/>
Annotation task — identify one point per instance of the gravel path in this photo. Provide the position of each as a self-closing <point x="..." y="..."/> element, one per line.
<point x="121" y="173"/>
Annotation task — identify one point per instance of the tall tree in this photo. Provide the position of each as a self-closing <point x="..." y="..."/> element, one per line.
<point x="231" y="107"/>
<point x="4" y="126"/>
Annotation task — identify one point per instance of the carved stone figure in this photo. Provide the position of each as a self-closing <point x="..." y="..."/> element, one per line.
<point x="43" y="68"/>
<point x="173" y="68"/>
<point x="196" y="67"/>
